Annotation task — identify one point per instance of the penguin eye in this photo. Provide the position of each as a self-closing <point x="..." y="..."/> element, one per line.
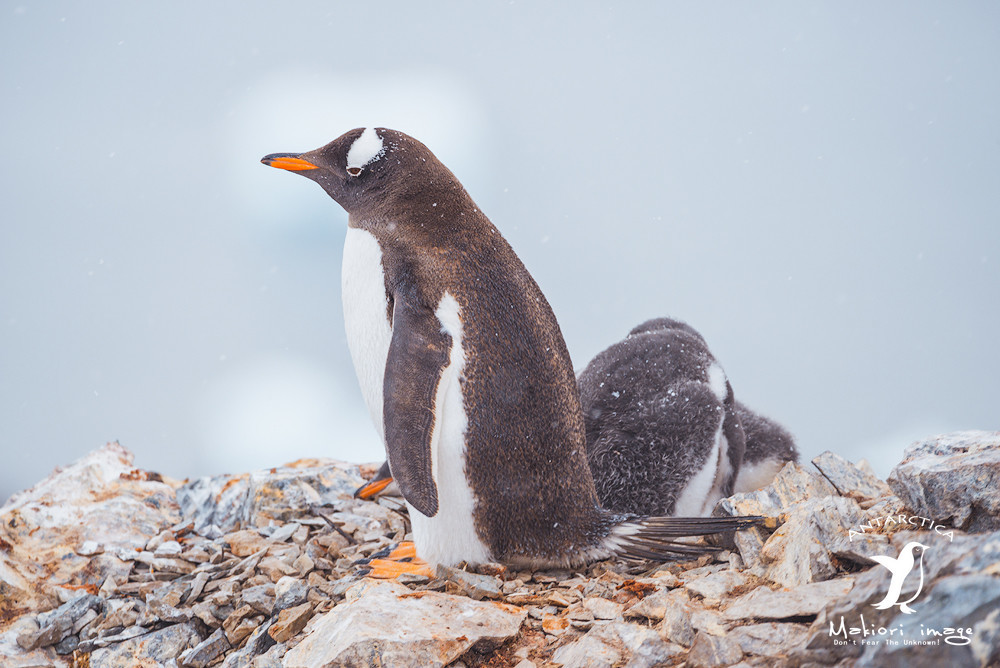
<point x="354" y="171"/>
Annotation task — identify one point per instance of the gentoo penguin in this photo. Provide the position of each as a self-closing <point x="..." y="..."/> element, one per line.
<point x="663" y="436"/>
<point x="769" y="447"/>
<point x="901" y="567"/>
<point x="464" y="370"/>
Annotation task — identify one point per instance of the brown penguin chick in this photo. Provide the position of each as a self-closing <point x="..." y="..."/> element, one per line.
<point x="464" y="370"/>
<point x="665" y="434"/>
<point x="769" y="447"/>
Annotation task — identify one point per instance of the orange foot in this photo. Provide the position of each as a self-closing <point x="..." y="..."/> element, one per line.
<point x="388" y="564"/>
<point x="371" y="489"/>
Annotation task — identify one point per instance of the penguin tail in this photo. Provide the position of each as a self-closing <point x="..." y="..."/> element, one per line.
<point x="662" y="538"/>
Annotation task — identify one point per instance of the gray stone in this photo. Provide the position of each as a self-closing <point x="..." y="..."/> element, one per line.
<point x="654" y="606"/>
<point x="162" y="603"/>
<point x="709" y="621"/>
<point x="970" y="604"/>
<point x="748" y="544"/>
<point x="291" y="491"/>
<point x="290" y="621"/>
<point x="279" y="534"/>
<point x="207" y="651"/>
<point x="714" y="587"/>
<point x="289" y="592"/>
<point x="804" y="601"/>
<point x="676" y="625"/>
<point x="385" y="622"/>
<point x="887" y="505"/>
<point x="113" y="639"/>
<point x="849" y="479"/>
<point x="260" y="598"/>
<point x="474" y="585"/>
<point x="257" y="643"/>
<point x="861" y="551"/>
<point x="708" y="651"/>
<point x="57" y="624"/>
<point x="602" y="608"/>
<point x="616" y="644"/>
<point x="152" y="649"/>
<point x="272" y="658"/>
<point x="954" y="479"/>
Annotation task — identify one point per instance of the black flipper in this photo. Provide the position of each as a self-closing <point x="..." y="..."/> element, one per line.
<point x="418" y="353"/>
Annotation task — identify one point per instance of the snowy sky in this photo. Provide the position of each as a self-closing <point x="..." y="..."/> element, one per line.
<point x="815" y="186"/>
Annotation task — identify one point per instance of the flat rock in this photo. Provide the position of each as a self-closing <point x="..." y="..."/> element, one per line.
<point x="245" y="542"/>
<point x="258" y="643"/>
<point x="290" y="621"/>
<point x="384" y="623"/>
<point x="714" y="587"/>
<point x="602" y="608"/>
<point x="473" y="585"/>
<point x="616" y="644"/>
<point x="804" y="601"/>
<point x="709" y="621"/>
<point x="676" y="625"/>
<point x="954" y="479"/>
<point x="849" y="479"/>
<point x="152" y="649"/>
<point x="708" y="651"/>
<point x="207" y="651"/>
<point x="56" y="624"/>
<point x="654" y="606"/>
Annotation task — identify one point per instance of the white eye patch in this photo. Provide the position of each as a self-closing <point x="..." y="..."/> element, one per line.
<point x="365" y="148"/>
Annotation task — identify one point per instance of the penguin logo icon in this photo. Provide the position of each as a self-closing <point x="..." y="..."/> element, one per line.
<point x="911" y="555"/>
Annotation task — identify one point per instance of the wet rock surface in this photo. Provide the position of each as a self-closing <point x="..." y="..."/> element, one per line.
<point x="103" y="564"/>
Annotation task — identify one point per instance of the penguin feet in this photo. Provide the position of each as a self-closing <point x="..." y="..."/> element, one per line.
<point x="382" y="483"/>
<point x="371" y="489"/>
<point x="389" y="563"/>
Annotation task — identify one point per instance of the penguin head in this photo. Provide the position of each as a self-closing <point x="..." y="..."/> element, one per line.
<point x="365" y="168"/>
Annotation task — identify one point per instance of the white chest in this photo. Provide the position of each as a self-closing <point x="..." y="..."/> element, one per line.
<point x="450" y="536"/>
<point x="366" y="317"/>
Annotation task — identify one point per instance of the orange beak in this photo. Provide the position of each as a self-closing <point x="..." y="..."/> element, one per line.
<point x="290" y="161"/>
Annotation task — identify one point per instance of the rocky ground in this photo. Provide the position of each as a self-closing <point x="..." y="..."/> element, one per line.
<point x="103" y="564"/>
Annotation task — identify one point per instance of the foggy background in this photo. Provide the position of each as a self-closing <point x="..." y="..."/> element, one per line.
<point x="813" y="186"/>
